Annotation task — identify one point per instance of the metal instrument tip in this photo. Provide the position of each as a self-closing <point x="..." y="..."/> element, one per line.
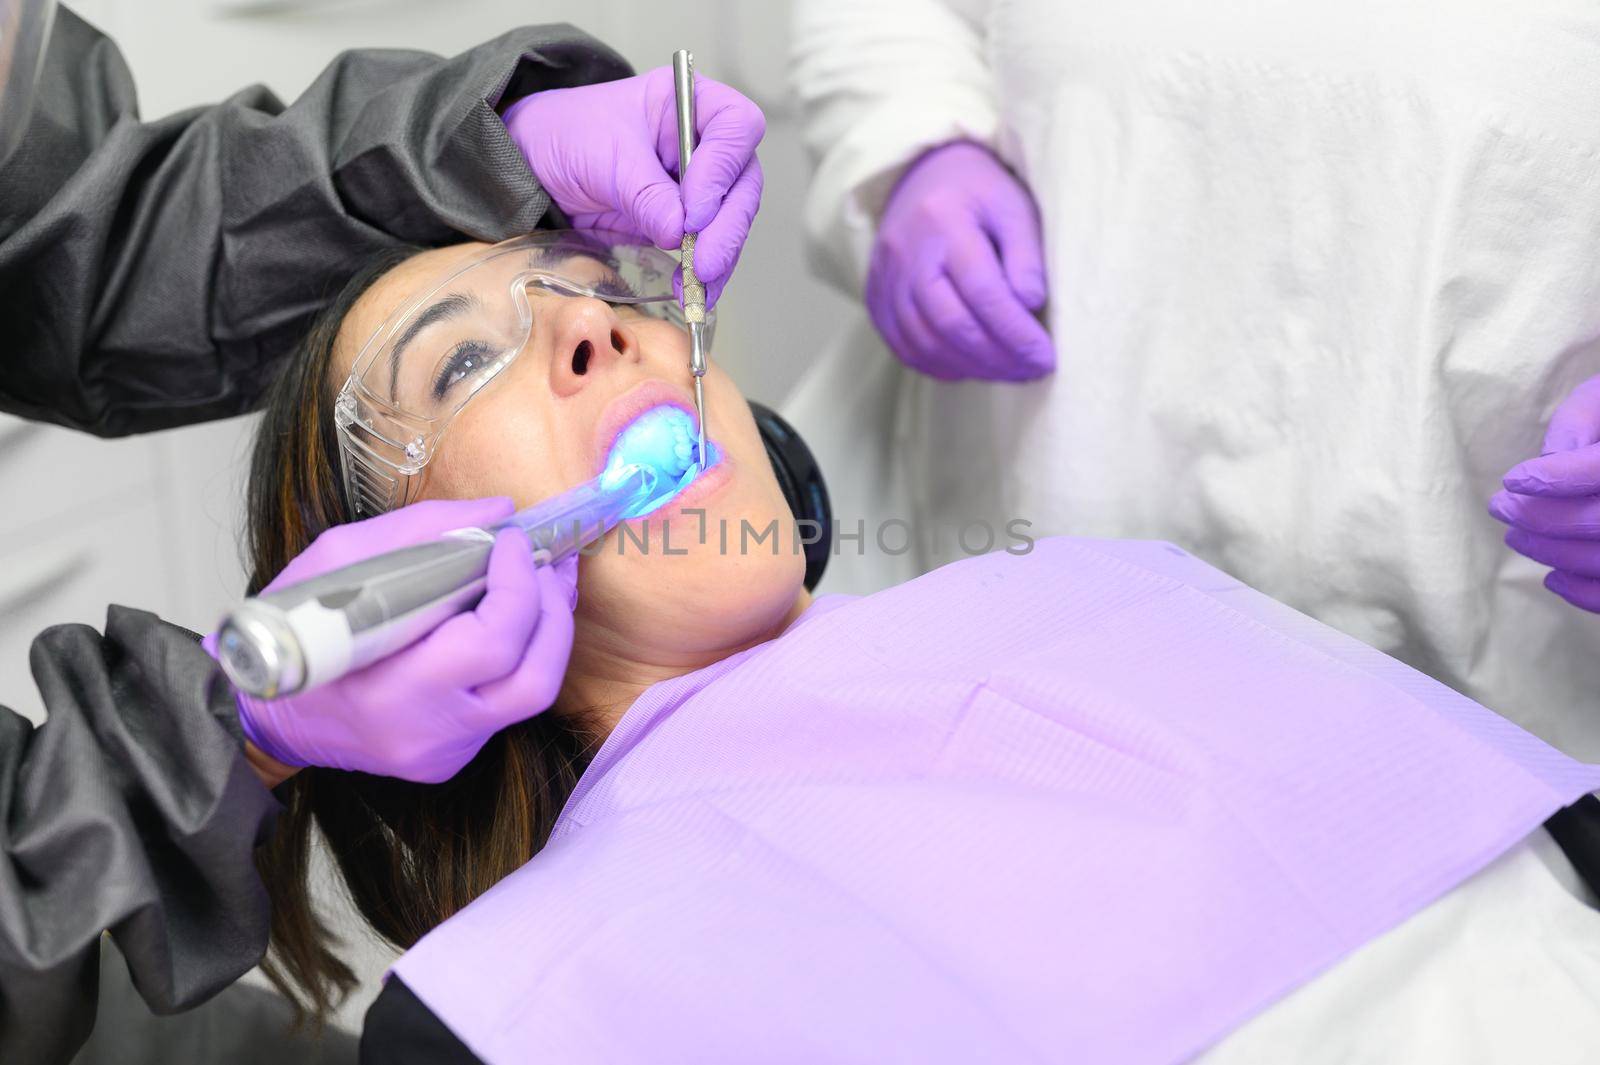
<point x="700" y="419"/>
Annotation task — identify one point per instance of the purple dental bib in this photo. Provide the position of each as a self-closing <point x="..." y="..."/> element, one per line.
<point x="1098" y="803"/>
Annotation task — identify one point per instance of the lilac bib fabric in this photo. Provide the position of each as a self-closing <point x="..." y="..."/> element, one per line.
<point x="1096" y="803"/>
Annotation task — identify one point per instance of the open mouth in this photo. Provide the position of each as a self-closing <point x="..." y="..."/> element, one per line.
<point x="664" y="439"/>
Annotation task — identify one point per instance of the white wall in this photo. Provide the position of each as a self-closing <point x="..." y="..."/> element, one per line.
<point x="153" y="521"/>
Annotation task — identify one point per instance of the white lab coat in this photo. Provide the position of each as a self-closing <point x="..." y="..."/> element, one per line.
<point x="1503" y="969"/>
<point x="1318" y="277"/>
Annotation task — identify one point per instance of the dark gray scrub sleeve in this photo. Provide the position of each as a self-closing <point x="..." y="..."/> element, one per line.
<point x="154" y="274"/>
<point x="132" y="811"/>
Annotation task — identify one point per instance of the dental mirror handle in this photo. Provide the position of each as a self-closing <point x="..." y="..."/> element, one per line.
<point x="316" y="631"/>
<point x="694" y="293"/>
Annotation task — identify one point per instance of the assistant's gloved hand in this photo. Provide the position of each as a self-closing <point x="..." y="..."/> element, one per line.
<point x="946" y="301"/>
<point x="422" y="713"/>
<point x="607" y="153"/>
<point x="1552" y="503"/>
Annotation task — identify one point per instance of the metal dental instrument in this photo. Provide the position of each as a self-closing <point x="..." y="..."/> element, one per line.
<point x="311" y="633"/>
<point x="694" y="293"/>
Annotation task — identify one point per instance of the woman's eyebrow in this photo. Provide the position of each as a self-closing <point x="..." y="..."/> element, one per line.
<point x="451" y="306"/>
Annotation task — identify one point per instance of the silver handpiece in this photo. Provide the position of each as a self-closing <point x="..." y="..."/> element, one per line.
<point x="316" y="631"/>
<point x="694" y="293"/>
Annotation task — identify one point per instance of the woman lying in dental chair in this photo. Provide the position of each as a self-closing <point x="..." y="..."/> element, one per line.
<point x="1092" y="801"/>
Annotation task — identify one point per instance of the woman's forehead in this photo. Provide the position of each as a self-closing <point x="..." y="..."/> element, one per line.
<point x="396" y="288"/>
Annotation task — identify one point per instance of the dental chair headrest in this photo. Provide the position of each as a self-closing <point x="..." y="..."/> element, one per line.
<point x="801" y="480"/>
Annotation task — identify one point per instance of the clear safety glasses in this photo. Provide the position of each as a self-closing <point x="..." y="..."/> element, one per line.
<point x="427" y="361"/>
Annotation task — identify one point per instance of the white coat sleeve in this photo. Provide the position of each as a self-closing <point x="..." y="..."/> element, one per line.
<point x="879" y="82"/>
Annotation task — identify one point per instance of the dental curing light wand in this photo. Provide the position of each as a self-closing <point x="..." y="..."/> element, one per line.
<point x="694" y="293"/>
<point x="318" y="630"/>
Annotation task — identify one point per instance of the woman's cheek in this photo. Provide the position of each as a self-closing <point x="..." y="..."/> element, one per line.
<point x="480" y="464"/>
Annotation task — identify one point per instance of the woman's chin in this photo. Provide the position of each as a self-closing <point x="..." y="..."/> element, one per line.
<point x="741" y="621"/>
<point x="699" y="597"/>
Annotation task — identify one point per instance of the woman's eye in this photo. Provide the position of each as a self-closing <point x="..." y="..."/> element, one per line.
<point x="465" y="361"/>
<point x="615" y="287"/>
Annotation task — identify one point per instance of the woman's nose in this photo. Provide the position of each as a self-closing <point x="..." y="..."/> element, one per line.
<point x="589" y="337"/>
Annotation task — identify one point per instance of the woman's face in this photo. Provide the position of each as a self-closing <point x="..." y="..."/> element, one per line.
<point x="549" y="420"/>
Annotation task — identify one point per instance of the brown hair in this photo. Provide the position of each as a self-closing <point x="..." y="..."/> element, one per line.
<point x="410" y="854"/>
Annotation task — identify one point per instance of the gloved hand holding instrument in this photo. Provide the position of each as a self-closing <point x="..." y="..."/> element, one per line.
<point x="1552" y="502"/>
<point x="607" y="153"/>
<point x="400" y="644"/>
<point x="424" y="712"/>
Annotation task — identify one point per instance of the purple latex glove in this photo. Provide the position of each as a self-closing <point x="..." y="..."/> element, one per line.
<point x="1552" y="503"/>
<point x="608" y="153"/>
<point x="422" y="713"/>
<point x="958" y="269"/>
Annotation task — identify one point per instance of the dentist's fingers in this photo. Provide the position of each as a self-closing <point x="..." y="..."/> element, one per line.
<point x="880" y="307"/>
<point x="985" y="356"/>
<point x="487" y="642"/>
<point x="533" y="686"/>
<point x="731" y="126"/>
<point x="929" y="352"/>
<point x="1576" y="518"/>
<point x="1012" y="220"/>
<point x="1576" y="422"/>
<point x="965" y="342"/>
<point x="1579" y="557"/>
<point x="720" y="242"/>
<point x="1563" y="474"/>
<point x="976" y="271"/>
<point x="647" y="197"/>
<point x="1581" y="592"/>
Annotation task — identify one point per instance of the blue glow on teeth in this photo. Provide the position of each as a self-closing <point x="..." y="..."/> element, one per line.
<point x="664" y="439"/>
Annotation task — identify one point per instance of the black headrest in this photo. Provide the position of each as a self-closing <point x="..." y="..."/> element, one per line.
<point x="801" y="480"/>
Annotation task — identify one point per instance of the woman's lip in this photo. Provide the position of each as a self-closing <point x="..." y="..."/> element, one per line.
<point x="622" y="411"/>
